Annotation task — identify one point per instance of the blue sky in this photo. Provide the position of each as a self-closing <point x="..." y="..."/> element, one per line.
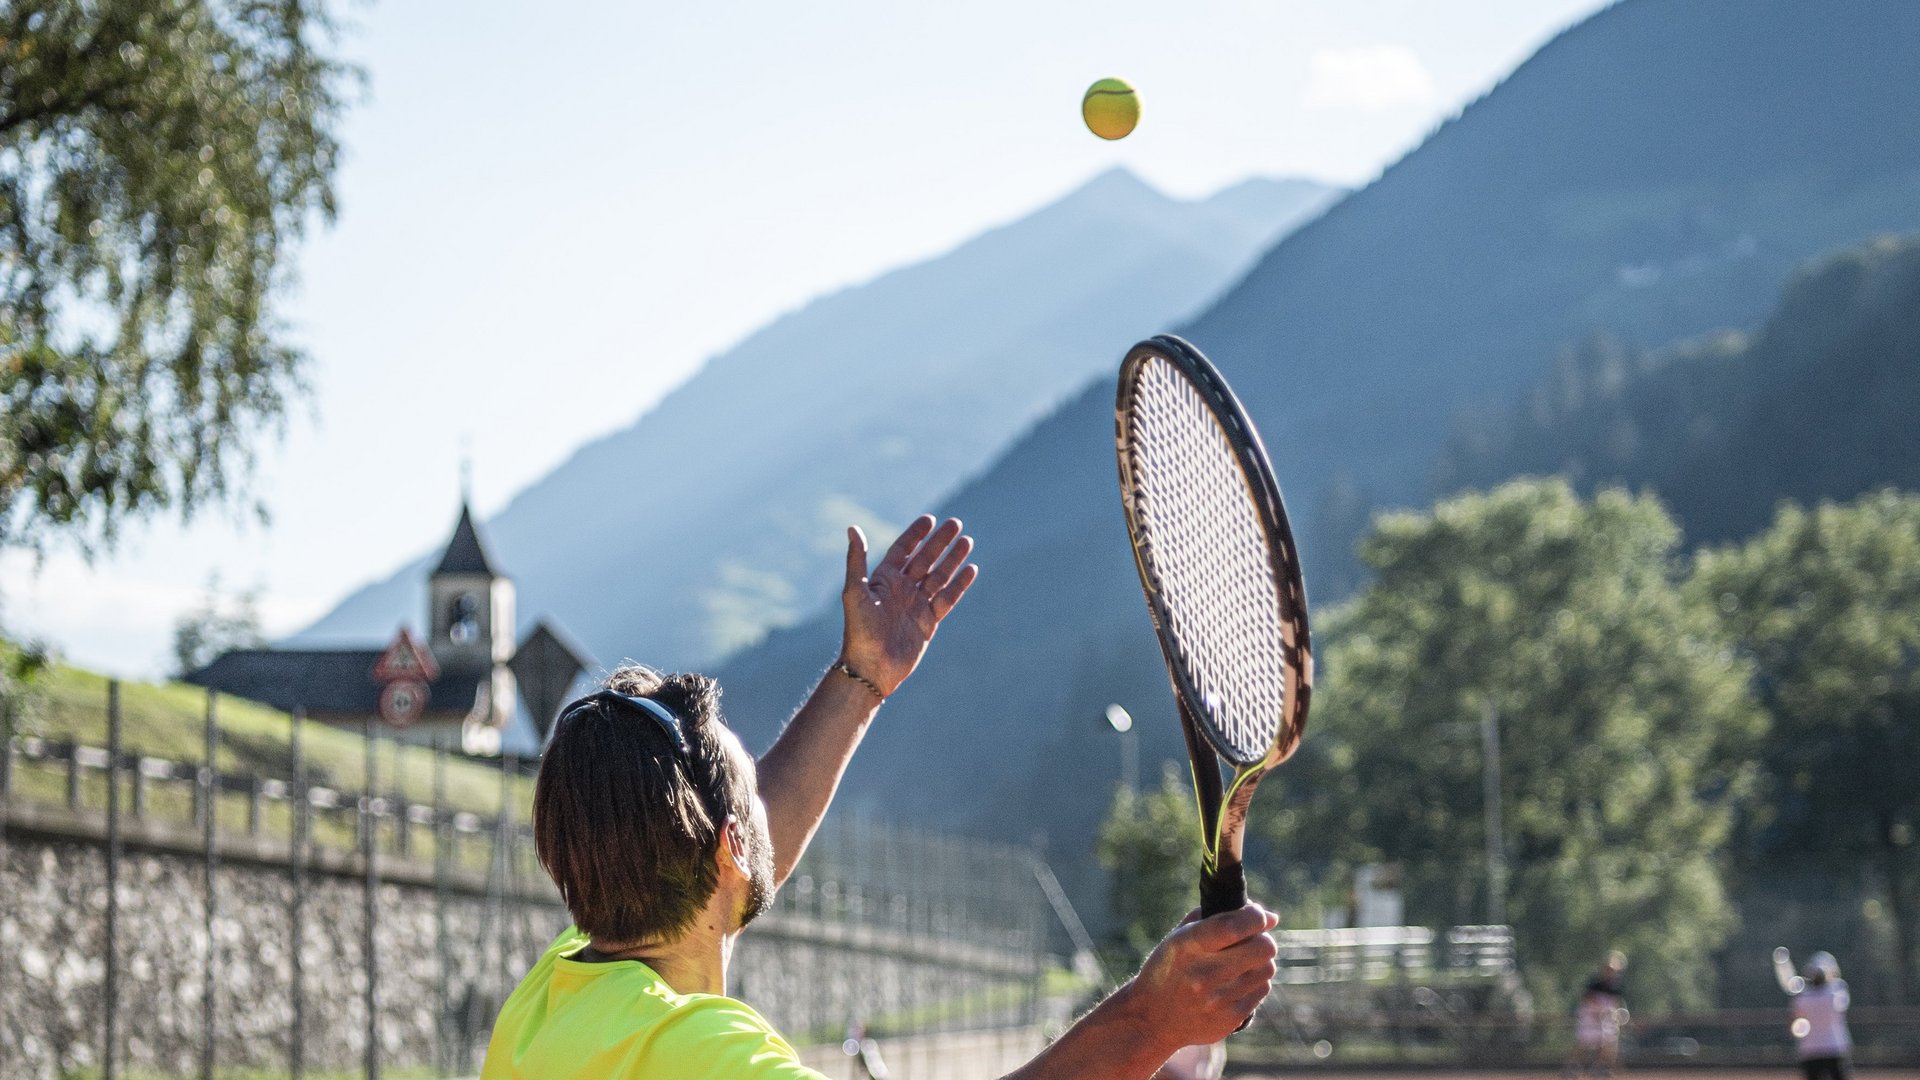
<point x="551" y="215"/>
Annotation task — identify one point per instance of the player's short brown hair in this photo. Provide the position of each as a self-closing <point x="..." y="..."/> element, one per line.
<point x="624" y="821"/>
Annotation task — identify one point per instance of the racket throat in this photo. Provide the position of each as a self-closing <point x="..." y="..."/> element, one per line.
<point x="1208" y="791"/>
<point x="1227" y="845"/>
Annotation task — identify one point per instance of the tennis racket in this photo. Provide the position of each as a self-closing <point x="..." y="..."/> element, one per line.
<point x="1222" y="577"/>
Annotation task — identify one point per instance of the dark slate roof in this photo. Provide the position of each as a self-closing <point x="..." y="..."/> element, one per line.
<point x="326" y="681"/>
<point x="465" y="553"/>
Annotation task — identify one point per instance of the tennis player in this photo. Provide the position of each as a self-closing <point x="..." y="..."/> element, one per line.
<point x="1597" y="1019"/>
<point x="666" y="838"/>
<point x="1820" y="1020"/>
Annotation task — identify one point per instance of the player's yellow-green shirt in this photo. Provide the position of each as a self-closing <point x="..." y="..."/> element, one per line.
<point x="573" y="1020"/>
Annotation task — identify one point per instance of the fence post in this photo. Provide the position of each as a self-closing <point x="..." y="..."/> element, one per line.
<point x="296" y="914"/>
<point x="398" y="807"/>
<point x="6" y="806"/>
<point x="6" y="758"/>
<point x="109" y="1060"/>
<point x="73" y="763"/>
<point x="369" y="823"/>
<point x="209" y="824"/>
<point x="504" y="855"/>
<point x="442" y="830"/>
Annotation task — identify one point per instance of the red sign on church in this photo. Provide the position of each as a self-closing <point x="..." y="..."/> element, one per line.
<point x="405" y="661"/>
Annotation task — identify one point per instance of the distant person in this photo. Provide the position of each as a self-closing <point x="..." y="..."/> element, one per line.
<point x="1597" y="1019"/>
<point x="666" y="839"/>
<point x="1820" y="1020"/>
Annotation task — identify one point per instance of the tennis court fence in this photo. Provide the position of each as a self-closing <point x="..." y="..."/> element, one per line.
<point x="271" y="908"/>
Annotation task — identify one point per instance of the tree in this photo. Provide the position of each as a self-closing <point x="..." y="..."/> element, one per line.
<point x="1622" y="716"/>
<point x="158" y="158"/>
<point x="215" y="627"/>
<point x="1827" y="603"/>
<point x="1150" y="845"/>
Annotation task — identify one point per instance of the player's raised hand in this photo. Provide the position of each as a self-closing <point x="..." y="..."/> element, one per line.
<point x="893" y="611"/>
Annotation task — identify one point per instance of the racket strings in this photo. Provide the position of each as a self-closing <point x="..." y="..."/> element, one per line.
<point x="1203" y="541"/>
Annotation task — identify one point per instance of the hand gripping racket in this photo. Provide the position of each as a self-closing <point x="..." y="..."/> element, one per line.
<point x="1222" y="577"/>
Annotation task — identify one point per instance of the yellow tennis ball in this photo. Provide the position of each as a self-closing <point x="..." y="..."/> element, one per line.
<point x="1111" y="109"/>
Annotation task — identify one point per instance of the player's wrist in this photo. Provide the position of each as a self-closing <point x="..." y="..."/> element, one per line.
<point x="857" y="674"/>
<point x="1130" y="1016"/>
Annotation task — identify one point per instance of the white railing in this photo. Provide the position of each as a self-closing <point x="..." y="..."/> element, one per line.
<point x="1386" y="953"/>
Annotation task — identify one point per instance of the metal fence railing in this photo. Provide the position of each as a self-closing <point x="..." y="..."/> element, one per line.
<point x="110" y="797"/>
<point x="881" y="929"/>
<point x="930" y="933"/>
<point x="1379" y="953"/>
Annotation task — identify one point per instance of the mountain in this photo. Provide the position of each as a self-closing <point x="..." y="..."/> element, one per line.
<point x="1820" y="403"/>
<point x="1657" y="171"/>
<point x="721" y="512"/>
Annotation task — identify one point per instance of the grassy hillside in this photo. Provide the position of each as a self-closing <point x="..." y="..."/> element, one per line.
<point x="168" y="720"/>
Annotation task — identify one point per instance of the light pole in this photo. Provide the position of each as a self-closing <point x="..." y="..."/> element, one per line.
<point x="1122" y="721"/>
<point x="1496" y="832"/>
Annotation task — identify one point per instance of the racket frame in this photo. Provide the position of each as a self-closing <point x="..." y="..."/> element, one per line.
<point x="1223" y="808"/>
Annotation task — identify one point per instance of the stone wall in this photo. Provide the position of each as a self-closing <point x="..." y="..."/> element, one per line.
<point x="53" y="901"/>
<point x="813" y="977"/>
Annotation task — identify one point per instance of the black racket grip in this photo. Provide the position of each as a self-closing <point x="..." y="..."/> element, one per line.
<point x="1222" y="889"/>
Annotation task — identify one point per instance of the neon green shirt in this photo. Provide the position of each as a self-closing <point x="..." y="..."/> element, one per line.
<point x="572" y="1020"/>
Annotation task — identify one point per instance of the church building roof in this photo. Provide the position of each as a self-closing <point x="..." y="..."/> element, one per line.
<point x="325" y="681"/>
<point x="465" y="553"/>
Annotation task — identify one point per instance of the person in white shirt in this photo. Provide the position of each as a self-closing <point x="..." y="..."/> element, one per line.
<point x="1820" y="1020"/>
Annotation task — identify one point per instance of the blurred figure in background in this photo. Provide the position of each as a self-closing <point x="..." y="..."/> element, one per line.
<point x="1820" y="1020"/>
<point x="1597" y="1020"/>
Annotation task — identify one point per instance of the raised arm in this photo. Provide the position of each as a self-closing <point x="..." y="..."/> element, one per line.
<point x="891" y="615"/>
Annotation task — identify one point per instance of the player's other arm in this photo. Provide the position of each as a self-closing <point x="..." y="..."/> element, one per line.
<point x="1197" y="987"/>
<point x="891" y="615"/>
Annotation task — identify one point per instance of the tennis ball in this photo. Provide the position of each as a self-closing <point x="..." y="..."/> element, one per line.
<point x="1111" y="109"/>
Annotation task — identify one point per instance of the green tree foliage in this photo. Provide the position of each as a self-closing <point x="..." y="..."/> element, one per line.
<point x="1150" y="844"/>
<point x="157" y="160"/>
<point x="218" y="625"/>
<point x="1827" y="603"/>
<point x="1623" y="714"/>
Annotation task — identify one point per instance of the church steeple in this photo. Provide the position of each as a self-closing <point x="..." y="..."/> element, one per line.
<point x="465" y="553"/>
<point x="470" y="604"/>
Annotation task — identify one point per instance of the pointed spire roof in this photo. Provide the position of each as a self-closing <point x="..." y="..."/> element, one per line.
<point x="465" y="553"/>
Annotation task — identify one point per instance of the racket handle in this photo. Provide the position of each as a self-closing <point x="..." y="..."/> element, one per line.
<point x="1223" y="889"/>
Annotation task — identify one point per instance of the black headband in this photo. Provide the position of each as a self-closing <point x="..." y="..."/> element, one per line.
<point x="660" y="714"/>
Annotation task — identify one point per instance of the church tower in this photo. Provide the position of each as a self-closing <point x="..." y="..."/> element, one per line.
<point x="469" y="605"/>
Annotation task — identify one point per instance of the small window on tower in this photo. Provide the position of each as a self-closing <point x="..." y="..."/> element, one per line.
<point x="464" y="626"/>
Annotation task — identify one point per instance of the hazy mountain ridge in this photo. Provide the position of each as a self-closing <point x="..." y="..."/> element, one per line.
<point x="1657" y="171"/>
<point x="723" y="506"/>
<point x="1820" y="403"/>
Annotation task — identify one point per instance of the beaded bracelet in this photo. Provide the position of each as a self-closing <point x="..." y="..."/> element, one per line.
<point x="841" y="667"/>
